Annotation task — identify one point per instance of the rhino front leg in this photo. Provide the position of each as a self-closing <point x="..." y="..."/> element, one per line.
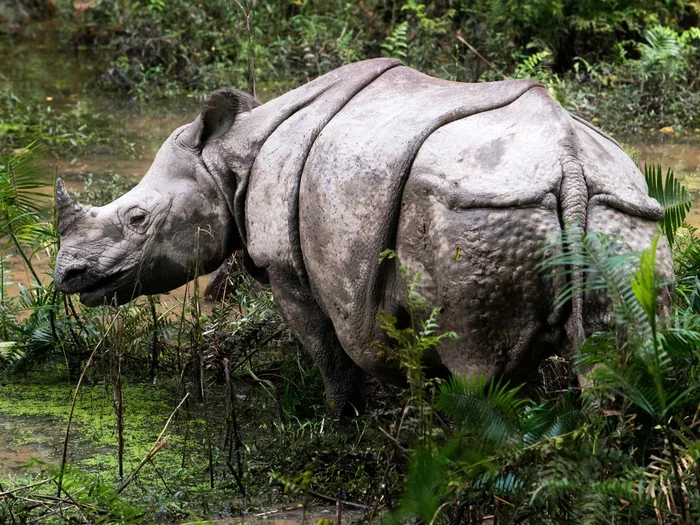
<point x="342" y="378"/>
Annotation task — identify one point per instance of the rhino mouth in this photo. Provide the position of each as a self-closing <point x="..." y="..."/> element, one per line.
<point x="96" y="293"/>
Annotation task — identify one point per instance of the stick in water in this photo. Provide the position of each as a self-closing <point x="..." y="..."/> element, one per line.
<point x="159" y="443"/>
<point x="72" y="406"/>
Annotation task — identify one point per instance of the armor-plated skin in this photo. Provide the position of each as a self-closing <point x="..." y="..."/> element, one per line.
<point x="466" y="182"/>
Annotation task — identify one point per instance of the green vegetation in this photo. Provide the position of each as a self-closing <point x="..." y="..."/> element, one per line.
<point x="629" y="65"/>
<point x="181" y="413"/>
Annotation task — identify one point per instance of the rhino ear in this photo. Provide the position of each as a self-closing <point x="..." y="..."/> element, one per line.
<point x="219" y="112"/>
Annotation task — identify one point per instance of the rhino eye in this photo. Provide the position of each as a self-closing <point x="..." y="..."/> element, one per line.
<point x="137" y="219"/>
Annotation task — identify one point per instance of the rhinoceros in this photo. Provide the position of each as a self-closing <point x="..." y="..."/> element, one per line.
<point x="465" y="182"/>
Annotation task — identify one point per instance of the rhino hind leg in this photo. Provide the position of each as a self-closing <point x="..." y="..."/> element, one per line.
<point x="342" y="378"/>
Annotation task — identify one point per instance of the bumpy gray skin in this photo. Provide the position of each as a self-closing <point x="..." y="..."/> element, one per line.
<point x="466" y="182"/>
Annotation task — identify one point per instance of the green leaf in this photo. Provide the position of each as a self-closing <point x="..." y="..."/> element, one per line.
<point x="644" y="283"/>
<point x="490" y="410"/>
<point x="673" y="197"/>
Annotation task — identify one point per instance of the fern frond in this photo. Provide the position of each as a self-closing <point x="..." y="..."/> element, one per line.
<point x="553" y="418"/>
<point x="633" y="383"/>
<point x="396" y="44"/>
<point x="673" y="197"/>
<point x="661" y="43"/>
<point x="606" y="263"/>
<point x="20" y="177"/>
<point x="491" y="410"/>
<point x="10" y="351"/>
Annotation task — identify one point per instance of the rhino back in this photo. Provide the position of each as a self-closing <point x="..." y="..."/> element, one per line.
<point x="351" y="191"/>
<point x="466" y="181"/>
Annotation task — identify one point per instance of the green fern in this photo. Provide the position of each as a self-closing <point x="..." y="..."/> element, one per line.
<point x="10" y="351"/>
<point x="396" y="44"/>
<point x="661" y="43"/>
<point x="491" y="410"/>
<point x="606" y="263"/>
<point x="672" y="195"/>
<point x="553" y="418"/>
<point x="535" y="66"/>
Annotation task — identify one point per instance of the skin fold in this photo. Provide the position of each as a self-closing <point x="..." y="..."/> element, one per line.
<point x="466" y="182"/>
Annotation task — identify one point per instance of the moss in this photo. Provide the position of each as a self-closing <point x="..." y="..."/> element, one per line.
<point x="92" y="447"/>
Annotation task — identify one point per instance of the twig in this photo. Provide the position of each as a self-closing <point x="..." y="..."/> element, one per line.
<point x="43" y="517"/>
<point x="382" y="484"/>
<point x="393" y="440"/>
<point x="437" y="512"/>
<point x="19" y="489"/>
<point x="9" y="507"/>
<point x="46" y="497"/>
<point x="156" y="447"/>
<point x="350" y="504"/>
<point x="481" y="57"/>
<point x="162" y="479"/>
<point x="233" y="436"/>
<point x="258" y="346"/>
<point x="75" y="398"/>
<point x="76" y="340"/>
<point x="284" y="509"/>
<point x="154" y="349"/>
<point x="77" y="506"/>
<point x="119" y="405"/>
<point x="248" y="12"/>
<point x="69" y="301"/>
<point x="207" y="426"/>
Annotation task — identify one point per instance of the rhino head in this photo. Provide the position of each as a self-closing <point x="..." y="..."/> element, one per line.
<point x="176" y="219"/>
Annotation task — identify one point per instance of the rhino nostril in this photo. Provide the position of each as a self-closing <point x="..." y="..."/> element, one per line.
<point x="74" y="272"/>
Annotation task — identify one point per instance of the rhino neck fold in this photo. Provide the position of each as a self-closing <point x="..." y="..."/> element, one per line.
<point x="284" y="126"/>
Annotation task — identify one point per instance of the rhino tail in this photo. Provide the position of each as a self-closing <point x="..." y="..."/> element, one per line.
<point x="573" y="207"/>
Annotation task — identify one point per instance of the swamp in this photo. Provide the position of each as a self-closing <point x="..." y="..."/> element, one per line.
<point x="200" y="406"/>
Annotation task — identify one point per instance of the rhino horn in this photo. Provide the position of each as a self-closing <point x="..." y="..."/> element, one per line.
<point x="69" y="211"/>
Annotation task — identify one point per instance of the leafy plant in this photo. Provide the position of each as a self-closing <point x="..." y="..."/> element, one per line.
<point x="396" y="43"/>
<point x="412" y="342"/>
<point x="672" y="195"/>
<point x="664" y="47"/>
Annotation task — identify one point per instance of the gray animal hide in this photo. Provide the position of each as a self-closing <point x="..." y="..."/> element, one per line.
<point x="466" y="182"/>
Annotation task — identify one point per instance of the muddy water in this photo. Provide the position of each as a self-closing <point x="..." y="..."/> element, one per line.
<point x="41" y="72"/>
<point x="682" y="157"/>
<point x="26" y="440"/>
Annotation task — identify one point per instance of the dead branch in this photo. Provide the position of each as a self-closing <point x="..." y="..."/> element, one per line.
<point x="159" y="443"/>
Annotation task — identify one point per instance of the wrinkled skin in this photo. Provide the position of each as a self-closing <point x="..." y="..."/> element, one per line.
<point x="466" y="182"/>
<point x="151" y="239"/>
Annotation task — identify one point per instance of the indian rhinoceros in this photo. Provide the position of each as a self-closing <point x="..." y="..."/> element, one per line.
<point x="466" y="182"/>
